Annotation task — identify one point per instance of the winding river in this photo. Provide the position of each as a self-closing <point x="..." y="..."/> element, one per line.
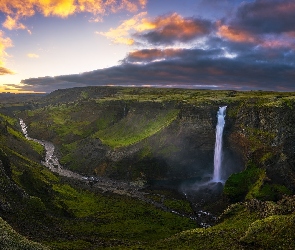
<point x="50" y="161"/>
<point x="107" y="185"/>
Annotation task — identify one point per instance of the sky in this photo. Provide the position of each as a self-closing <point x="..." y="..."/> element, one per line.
<point x="214" y="44"/>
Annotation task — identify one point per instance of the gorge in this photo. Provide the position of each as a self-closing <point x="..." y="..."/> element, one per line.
<point x="148" y="149"/>
<point x="105" y="184"/>
<point x="166" y="137"/>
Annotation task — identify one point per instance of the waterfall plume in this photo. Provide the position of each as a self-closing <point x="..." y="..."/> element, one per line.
<point x="218" y="144"/>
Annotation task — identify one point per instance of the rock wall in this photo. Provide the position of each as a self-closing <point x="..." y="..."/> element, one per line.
<point x="266" y="136"/>
<point x="255" y="131"/>
<point x="183" y="150"/>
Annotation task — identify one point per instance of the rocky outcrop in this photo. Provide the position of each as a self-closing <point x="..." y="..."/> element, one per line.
<point x="182" y="149"/>
<point x="265" y="135"/>
<point x="256" y="130"/>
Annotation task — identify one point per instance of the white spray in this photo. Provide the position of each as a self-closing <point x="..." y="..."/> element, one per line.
<point x="218" y="144"/>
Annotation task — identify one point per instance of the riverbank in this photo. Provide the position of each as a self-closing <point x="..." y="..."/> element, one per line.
<point x="130" y="189"/>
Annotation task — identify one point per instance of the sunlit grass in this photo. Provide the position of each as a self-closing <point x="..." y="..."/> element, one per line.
<point x="135" y="128"/>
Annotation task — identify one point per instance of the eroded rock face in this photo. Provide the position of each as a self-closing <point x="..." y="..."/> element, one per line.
<point x="183" y="149"/>
<point x="266" y="136"/>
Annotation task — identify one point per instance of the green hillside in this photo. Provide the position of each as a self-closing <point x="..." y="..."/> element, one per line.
<point x="141" y="145"/>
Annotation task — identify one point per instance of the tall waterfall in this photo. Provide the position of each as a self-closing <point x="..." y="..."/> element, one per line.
<point x="218" y="144"/>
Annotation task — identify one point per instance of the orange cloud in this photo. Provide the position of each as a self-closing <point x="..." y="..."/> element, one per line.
<point x="99" y="7"/>
<point x="131" y="6"/>
<point x="153" y="54"/>
<point x="5" y="71"/>
<point x="235" y="35"/>
<point x="18" y="9"/>
<point x="5" y="42"/>
<point x="121" y="33"/>
<point x="11" y="23"/>
<point x="65" y="8"/>
<point x="173" y="27"/>
<point x="178" y="26"/>
<point x="61" y="8"/>
<point x="284" y="40"/>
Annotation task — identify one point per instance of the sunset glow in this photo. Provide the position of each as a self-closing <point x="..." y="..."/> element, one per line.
<point x="249" y="44"/>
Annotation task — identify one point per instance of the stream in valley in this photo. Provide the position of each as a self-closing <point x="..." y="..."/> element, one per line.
<point x="202" y="218"/>
<point x="51" y="161"/>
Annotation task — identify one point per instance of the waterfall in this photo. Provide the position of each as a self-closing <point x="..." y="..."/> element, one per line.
<point x="218" y="144"/>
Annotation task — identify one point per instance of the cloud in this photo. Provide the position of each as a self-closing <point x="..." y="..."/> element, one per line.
<point x="253" y="48"/>
<point x="163" y="30"/>
<point x="11" y="23"/>
<point x="266" y="23"/>
<point x="148" y="55"/>
<point x="5" y="71"/>
<point x="266" y="16"/>
<point x="65" y="8"/>
<point x="121" y="34"/>
<point x="32" y="55"/>
<point x="5" y="42"/>
<point x="173" y="28"/>
<point x="183" y="67"/>
<point x="235" y="35"/>
<point x="17" y="9"/>
<point x="153" y="55"/>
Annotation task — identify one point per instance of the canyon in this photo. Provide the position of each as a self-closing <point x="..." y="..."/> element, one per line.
<point x="154" y="146"/>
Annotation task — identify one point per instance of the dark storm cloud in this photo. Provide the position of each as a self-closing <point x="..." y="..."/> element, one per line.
<point x="48" y="84"/>
<point x="235" y="73"/>
<point x="173" y="28"/>
<point x="250" y="52"/>
<point x="266" y="16"/>
<point x="150" y="55"/>
<point x="216" y="8"/>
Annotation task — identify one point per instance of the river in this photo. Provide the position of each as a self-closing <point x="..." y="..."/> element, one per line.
<point x="107" y="185"/>
<point x="50" y="161"/>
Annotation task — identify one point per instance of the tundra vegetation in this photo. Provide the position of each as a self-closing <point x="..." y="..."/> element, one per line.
<point x="142" y="136"/>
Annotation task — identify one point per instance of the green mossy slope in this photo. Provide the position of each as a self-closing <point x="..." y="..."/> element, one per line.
<point x="135" y="128"/>
<point x="11" y="240"/>
<point x="250" y="225"/>
<point x="66" y="214"/>
<point x="129" y="129"/>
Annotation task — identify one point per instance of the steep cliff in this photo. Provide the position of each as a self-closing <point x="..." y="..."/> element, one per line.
<point x="155" y="134"/>
<point x="131" y="137"/>
<point x="263" y="133"/>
